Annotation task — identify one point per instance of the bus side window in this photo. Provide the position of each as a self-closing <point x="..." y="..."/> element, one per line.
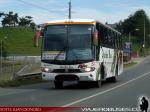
<point x="99" y="33"/>
<point x="110" y="43"/>
<point x="118" y="41"/>
<point x="106" y="38"/>
<point x="121" y="42"/>
<point x="102" y="35"/>
<point x="116" y="45"/>
<point x="113" y="39"/>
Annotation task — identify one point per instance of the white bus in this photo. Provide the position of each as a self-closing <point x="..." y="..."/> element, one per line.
<point x="82" y="50"/>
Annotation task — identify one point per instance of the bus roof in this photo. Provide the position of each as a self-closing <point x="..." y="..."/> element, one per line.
<point x="79" y="21"/>
<point x="72" y="21"/>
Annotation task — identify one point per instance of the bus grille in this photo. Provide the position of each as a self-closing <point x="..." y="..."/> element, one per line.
<point x="66" y="71"/>
<point x="66" y="78"/>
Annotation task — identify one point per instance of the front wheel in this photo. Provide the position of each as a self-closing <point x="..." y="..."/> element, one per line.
<point x="58" y="84"/>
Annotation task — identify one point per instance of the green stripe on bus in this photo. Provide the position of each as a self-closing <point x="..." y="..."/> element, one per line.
<point x="98" y="73"/>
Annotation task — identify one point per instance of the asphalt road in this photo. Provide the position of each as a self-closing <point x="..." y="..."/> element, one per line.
<point x="131" y="85"/>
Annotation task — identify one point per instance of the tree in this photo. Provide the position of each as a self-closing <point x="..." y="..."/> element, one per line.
<point x="12" y="19"/>
<point x="1" y="14"/>
<point x="9" y="19"/>
<point x="32" y="25"/>
<point x="25" y="21"/>
<point x="135" y="21"/>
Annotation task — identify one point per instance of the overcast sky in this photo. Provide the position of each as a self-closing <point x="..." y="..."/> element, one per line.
<point x="103" y="10"/>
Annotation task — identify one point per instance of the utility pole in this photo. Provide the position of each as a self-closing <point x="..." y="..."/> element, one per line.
<point x="69" y="16"/>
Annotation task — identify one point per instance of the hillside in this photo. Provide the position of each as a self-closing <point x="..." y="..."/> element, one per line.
<point x="19" y="41"/>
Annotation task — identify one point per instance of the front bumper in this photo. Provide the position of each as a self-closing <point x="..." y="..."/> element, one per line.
<point x="87" y="76"/>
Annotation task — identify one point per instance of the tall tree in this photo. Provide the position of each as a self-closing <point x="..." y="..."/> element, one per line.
<point x="10" y="19"/>
<point x="25" y="21"/>
<point x="136" y="21"/>
<point x="1" y="14"/>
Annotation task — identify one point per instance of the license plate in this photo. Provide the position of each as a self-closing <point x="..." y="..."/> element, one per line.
<point x="83" y="77"/>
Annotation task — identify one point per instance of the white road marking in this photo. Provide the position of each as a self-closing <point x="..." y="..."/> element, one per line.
<point x="100" y="93"/>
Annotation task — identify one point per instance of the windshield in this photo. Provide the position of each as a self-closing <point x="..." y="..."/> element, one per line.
<point x="69" y="43"/>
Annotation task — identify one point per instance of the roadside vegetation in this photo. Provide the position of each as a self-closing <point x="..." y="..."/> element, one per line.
<point x="135" y="25"/>
<point x="130" y="64"/>
<point x="17" y="34"/>
<point x="16" y="83"/>
<point x="19" y="41"/>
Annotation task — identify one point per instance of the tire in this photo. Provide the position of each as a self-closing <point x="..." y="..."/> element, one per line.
<point x="113" y="79"/>
<point x="98" y="83"/>
<point x="58" y="84"/>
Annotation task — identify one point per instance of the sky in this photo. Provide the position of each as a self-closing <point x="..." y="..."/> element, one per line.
<point x="110" y="11"/>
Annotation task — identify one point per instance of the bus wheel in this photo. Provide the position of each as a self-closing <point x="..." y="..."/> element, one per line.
<point x="113" y="79"/>
<point x="58" y="84"/>
<point x="98" y="83"/>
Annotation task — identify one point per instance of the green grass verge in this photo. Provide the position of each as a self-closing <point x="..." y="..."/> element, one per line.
<point x="16" y="83"/>
<point x="19" y="41"/>
<point x="130" y="64"/>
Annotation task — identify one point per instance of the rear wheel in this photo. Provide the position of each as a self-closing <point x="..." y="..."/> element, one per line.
<point x="58" y="84"/>
<point x="98" y="83"/>
<point x="113" y="79"/>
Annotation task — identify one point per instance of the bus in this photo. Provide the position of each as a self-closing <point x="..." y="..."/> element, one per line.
<point x="83" y="50"/>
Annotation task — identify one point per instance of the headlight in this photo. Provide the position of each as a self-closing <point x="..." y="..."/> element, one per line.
<point x="44" y="69"/>
<point x="89" y="69"/>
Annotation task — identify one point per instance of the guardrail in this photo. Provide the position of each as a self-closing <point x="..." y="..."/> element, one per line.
<point x="29" y="76"/>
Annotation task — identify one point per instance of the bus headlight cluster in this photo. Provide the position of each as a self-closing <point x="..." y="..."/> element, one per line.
<point x="44" y="69"/>
<point x="89" y="69"/>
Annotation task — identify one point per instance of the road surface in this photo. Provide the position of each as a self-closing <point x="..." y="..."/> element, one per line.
<point x="131" y="85"/>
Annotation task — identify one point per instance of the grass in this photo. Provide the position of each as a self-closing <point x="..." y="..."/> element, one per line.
<point x="130" y="64"/>
<point x="19" y="41"/>
<point x="16" y="83"/>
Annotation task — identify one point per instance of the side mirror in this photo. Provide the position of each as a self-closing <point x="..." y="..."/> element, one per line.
<point x="95" y="38"/>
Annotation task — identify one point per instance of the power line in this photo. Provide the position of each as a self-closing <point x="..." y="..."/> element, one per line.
<point x="39" y="7"/>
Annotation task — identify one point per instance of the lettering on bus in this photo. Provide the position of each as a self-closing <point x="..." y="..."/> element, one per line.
<point x="107" y="54"/>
